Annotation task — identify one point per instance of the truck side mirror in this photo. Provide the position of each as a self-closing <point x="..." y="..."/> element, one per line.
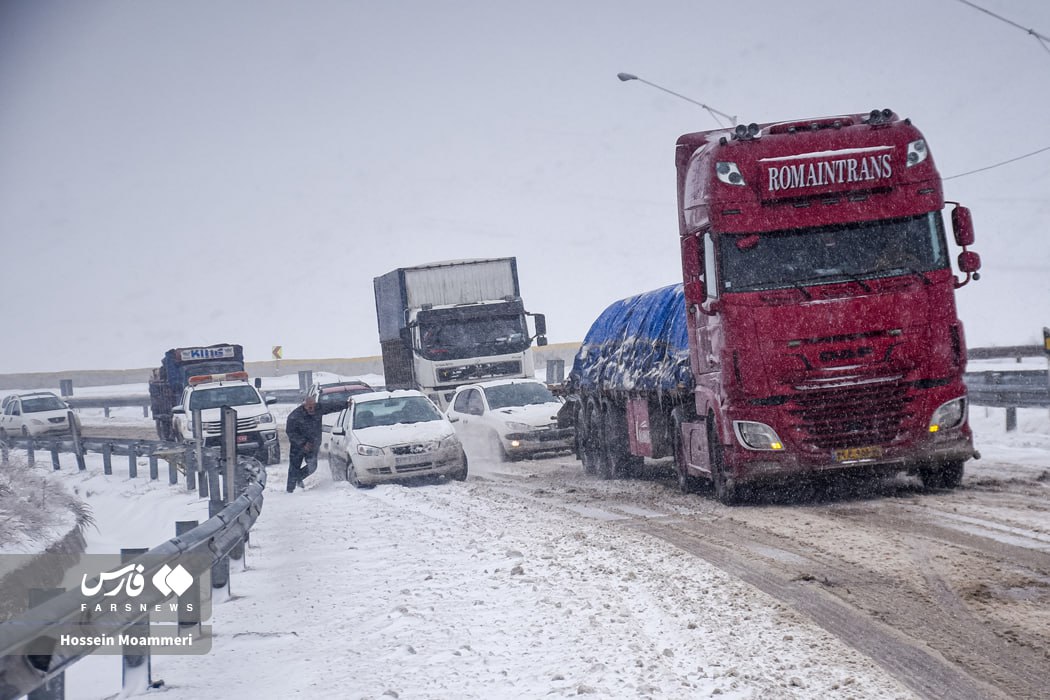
<point x="178" y="410"/>
<point x="541" y="325"/>
<point x="962" y="224"/>
<point x="541" y="340"/>
<point x="695" y="293"/>
<point x="969" y="262"/>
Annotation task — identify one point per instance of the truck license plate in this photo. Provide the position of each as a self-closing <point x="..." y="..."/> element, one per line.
<point x="242" y="438"/>
<point x="853" y="454"/>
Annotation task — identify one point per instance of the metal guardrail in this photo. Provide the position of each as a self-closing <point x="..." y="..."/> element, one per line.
<point x="142" y="401"/>
<point x="28" y="658"/>
<point x="1009" y="389"/>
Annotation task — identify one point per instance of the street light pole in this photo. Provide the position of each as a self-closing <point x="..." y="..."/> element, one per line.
<point x="714" y="112"/>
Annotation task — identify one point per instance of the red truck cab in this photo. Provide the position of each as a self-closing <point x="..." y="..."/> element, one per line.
<point x="819" y="294"/>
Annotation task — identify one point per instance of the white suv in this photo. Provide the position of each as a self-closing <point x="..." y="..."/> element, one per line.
<point x="511" y="417"/>
<point x="256" y="426"/>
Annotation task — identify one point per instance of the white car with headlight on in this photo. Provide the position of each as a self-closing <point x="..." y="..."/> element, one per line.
<point x="512" y="417"/>
<point x="385" y="436"/>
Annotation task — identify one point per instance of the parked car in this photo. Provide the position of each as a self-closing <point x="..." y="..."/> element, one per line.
<point x="511" y="417"/>
<point x="385" y="436"/>
<point x="35" y="413"/>
<point x="331" y="394"/>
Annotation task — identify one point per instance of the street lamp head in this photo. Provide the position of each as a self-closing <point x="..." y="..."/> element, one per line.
<point x="626" y="76"/>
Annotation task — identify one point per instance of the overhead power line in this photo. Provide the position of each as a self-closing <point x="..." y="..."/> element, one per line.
<point x="1043" y="40"/>
<point x="996" y="165"/>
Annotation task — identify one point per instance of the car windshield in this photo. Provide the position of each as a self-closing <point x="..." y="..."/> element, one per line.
<point x="42" y="403"/>
<point x="518" y="394"/>
<point x="339" y="397"/>
<point x="394" y="410"/>
<point x="800" y="257"/>
<point x="203" y="399"/>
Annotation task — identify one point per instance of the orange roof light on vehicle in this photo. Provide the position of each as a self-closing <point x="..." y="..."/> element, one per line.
<point x="204" y="378"/>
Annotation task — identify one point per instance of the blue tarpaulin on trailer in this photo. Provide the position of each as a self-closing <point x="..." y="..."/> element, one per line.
<point x="638" y="344"/>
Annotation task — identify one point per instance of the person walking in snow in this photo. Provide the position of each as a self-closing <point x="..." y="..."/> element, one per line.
<point x="304" y="438"/>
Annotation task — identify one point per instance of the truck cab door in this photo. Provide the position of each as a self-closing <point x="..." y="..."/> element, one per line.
<point x="709" y="325"/>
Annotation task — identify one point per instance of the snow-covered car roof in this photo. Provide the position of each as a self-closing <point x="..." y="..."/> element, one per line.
<point x="502" y="382"/>
<point x="380" y="395"/>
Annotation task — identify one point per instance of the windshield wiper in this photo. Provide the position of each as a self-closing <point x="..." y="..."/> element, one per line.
<point x="853" y="278"/>
<point x="913" y="271"/>
<point x="805" y="292"/>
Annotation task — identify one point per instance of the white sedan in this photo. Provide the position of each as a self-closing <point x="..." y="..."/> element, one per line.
<point x="385" y="436"/>
<point x="37" y="413"/>
<point x="511" y="417"/>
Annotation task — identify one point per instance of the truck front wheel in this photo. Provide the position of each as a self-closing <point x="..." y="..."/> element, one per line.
<point x="943" y="476"/>
<point x="726" y="491"/>
<point x="686" y="482"/>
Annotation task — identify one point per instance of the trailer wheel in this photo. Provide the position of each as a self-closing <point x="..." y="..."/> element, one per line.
<point x="726" y="491"/>
<point x="943" y="476"/>
<point x="616" y="459"/>
<point x="589" y="428"/>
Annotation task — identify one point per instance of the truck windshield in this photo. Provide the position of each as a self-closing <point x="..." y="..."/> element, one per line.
<point x="459" y="338"/>
<point x="828" y="254"/>
<point x="239" y="395"/>
<point x="518" y="394"/>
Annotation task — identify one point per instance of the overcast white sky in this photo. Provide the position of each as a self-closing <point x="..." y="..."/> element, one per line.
<point x="179" y="173"/>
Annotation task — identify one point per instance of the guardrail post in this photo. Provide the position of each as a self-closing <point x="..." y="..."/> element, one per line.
<point x="145" y="411"/>
<point x="31" y="452"/>
<point x="5" y="452"/>
<point x="173" y="472"/>
<point x="191" y="469"/>
<point x="192" y="595"/>
<point x="54" y="455"/>
<point x="105" y="411"/>
<point x="55" y="688"/>
<point x="133" y="460"/>
<point x="220" y="570"/>
<point x="107" y="458"/>
<point x="65" y="387"/>
<point x="78" y="443"/>
<point x="136" y="672"/>
<point x="154" y="468"/>
<point x="1011" y="419"/>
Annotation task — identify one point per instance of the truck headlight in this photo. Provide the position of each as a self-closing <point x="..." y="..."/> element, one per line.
<point x="369" y="451"/>
<point x="917" y="152"/>
<point x="519" y="427"/>
<point x="948" y="415"/>
<point x="266" y="418"/>
<point x="756" y="436"/>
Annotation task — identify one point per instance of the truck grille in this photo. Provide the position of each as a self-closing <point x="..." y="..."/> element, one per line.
<point x="243" y="425"/>
<point x="478" y="371"/>
<point x="848" y="417"/>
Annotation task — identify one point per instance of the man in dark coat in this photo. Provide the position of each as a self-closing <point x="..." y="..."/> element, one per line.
<point x="304" y="437"/>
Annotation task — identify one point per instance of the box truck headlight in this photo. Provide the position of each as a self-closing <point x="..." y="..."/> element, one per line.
<point x="729" y="173"/>
<point x="757" y="436"/>
<point x="917" y="152"/>
<point x="369" y="451"/>
<point x="948" y="415"/>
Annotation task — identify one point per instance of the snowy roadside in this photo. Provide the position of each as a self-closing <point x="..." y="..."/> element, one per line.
<point x="458" y="590"/>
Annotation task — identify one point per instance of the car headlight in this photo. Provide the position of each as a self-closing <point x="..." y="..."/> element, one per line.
<point x="36" y="421"/>
<point x="519" y="427"/>
<point x="266" y="418"/>
<point x="948" y="415"/>
<point x="756" y="436"/>
<point x="369" y="451"/>
<point x="445" y="442"/>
